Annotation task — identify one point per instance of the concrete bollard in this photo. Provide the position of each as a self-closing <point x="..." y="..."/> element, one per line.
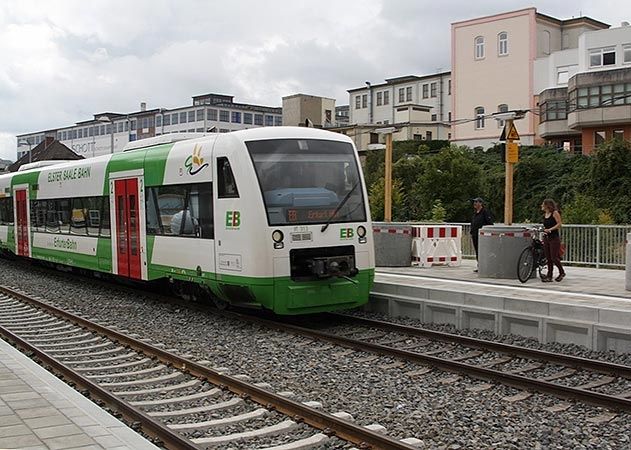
<point x="627" y="271"/>
<point x="499" y="247"/>
<point x="393" y="244"/>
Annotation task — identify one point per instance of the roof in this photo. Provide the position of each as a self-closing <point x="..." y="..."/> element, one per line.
<point x="574" y="21"/>
<point x="403" y="79"/>
<point x="54" y="151"/>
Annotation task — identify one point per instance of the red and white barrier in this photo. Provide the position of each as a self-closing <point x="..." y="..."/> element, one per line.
<point x="436" y="245"/>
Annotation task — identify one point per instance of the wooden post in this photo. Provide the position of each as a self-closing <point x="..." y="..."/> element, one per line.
<point x="387" y="205"/>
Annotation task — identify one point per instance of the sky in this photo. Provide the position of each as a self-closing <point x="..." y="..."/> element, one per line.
<point x="63" y="61"/>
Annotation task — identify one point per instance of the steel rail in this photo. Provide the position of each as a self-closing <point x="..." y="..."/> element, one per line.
<point x="148" y="424"/>
<point x="510" y="379"/>
<point x="329" y="424"/>
<point x="576" y="361"/>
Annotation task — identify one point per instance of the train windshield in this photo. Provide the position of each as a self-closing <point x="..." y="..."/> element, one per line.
<point x="306" y="180"/>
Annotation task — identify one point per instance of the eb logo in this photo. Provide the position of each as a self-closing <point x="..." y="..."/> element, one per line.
<point x="233" y="219"/>
<point x="346" y="233"/>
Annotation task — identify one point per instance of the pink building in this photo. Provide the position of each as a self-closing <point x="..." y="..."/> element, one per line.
<point x="493" y="70"/>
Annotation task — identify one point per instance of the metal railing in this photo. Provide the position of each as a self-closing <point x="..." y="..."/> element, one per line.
<point x="589" y="245"/>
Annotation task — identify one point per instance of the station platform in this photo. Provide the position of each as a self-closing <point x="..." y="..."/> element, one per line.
<point x="39" y="411"/>
<point x="590" y="307"/>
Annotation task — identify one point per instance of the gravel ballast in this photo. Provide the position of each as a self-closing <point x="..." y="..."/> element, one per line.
<point x="437" y="407"/>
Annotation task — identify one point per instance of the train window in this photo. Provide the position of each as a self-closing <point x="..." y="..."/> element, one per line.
<point x="180" y="210"/>
<point x="78" y="218"/>
<point x="308" y="181"/>
<point x="104" y="218"/>
<point x="226" y="184"/>
<point x="6" y="211"/>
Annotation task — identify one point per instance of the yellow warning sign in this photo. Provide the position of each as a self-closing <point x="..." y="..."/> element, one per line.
<point x="512" y="152"/>
<point x="512" y="134"/>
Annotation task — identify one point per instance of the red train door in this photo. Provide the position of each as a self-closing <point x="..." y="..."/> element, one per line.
<point x="21" y="230"/>
<point x="127" y="227"/>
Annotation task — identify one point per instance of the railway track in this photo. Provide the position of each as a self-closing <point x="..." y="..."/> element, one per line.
<point x="181" y="402"/>
<point x="585" y="380"/>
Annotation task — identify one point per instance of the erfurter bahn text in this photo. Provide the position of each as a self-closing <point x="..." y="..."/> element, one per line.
<point x="276" y="217"/>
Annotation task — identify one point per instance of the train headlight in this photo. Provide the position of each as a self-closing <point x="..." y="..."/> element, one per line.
<point x="361" y="233"/>
<point x="277" y="237"/>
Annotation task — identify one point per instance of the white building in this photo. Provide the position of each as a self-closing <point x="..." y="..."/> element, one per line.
<point x="110" y="132"/>
<point x="423" y="100"/>
<point x="585" y="92"/>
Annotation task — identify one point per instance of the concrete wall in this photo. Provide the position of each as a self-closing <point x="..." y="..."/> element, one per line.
<point x="614" y="37"/>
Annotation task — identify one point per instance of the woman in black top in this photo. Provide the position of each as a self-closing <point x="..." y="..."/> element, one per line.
<point x="551" y="239"/>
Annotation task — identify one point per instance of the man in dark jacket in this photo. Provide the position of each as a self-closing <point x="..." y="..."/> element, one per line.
<point x="481" y="217"/>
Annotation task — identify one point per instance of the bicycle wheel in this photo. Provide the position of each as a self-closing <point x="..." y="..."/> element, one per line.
<point x="525" y="265"/>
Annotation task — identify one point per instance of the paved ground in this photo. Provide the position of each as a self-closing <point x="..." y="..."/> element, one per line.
<point x="39" y="411"/>
<point x="605" y="282"/>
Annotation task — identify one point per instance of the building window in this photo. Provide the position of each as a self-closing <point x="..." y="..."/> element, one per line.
<point x="597" y="96"/>
<point x="626" y="54"/>
<point x="408" y="94"/>
<point x="432" y="90"/>
<point x="224" y="116"/>
<point x="599" y="137"/>
<point x="80" y="134"/>
<point x="602" y="57"/>
<point x="401" y="95"/>
<point x="618" y="135"/>
<point x="554" y="110"/>
<point x="379" y="98"/>
<point x="174" y="119"/>
<point x="428" y="135"/>
<point x="501" y="109"/>
<point x="166" y="120"/>
<point x="278" y="120"/>
<point x="425" y="91"/>
<point x="479" y="118"/>
<point x="479" y="47"/>
<point x="358" y="102"/>
<point x="191" y="116"/>
<point x="247" y="118"/>
<point x="448" y="87"/>
<point x="236" y="117"/>
<point x="211" y="114"/>
<point x="258" y="119"/>
<point x="386" y="97"/>
<point x="183" y="117"/>
<point x="364" y="100"/>
<point x="502" y="43"/>
<point x="433" y="117"/>
<point x="269" y="121"/>
<point x="158" y="121"/>
<point x="449" y="116"/>
<point x="199" y="115"/>
<point x="563" y="75"/>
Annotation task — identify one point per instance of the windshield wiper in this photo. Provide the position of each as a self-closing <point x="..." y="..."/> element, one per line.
<point x="339" y="206"/>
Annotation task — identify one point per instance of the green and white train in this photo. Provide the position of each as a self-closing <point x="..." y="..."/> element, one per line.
<point x="275" y="217"/>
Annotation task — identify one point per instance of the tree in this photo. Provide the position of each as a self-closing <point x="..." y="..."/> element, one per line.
<point x="611" y="178"/>
<point x="377" y="199"/>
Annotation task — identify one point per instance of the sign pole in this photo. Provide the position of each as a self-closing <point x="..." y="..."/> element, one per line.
<point x="512" y="156"/>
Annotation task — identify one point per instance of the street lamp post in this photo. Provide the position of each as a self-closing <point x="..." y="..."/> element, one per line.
<point x="30" y="146"/>
<point x="106" y="119"/>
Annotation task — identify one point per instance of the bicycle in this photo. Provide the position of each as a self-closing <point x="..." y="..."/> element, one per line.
<point x="532" y="256"/>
